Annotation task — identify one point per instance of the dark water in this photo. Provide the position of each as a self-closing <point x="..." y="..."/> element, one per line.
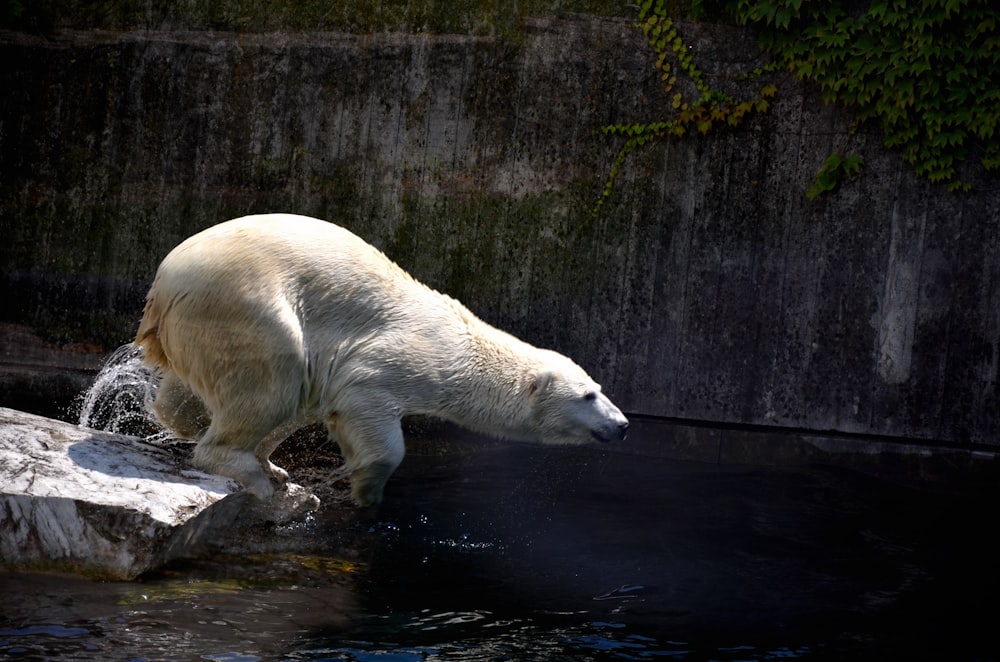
<point x="493" y="551"/>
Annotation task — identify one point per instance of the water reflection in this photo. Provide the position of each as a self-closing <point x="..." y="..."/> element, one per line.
<point x="486" y="550"/>
<point x="517" y="640"/>
<point x="182" y="613"/>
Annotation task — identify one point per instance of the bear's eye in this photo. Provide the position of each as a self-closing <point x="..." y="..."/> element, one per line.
<point x="590" y="396"/>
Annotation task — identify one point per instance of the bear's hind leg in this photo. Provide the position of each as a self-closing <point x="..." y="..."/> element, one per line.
<point x="372" y="450"/>
<point x="178" y="409"/>
<point x="268" y="445"/>
<point x="232" y="451"/>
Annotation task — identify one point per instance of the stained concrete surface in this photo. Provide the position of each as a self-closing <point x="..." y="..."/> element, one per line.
<point x="708" y="288"/>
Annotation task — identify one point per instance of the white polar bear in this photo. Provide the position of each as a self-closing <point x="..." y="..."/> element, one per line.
<point x="265" y="323"/>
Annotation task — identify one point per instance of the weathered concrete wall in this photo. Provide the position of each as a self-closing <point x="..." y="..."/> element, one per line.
<point x="708" y="288"/>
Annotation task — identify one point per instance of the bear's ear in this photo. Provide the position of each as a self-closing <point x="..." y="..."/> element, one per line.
<point x="540" y="382"/>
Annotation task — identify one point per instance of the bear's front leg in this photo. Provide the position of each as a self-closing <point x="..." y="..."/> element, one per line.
<point x="372" y="449"/>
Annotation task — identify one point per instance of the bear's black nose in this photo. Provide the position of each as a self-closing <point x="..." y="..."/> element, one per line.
<point x="622" y="429"/>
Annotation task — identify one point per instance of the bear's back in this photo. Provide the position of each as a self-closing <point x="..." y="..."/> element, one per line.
<point x="257" y="269"/>
<point x="280" y="255"/>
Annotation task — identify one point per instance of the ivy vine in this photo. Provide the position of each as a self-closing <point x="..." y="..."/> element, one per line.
<point x="703" y="112"/>
<point x="927" y="72"/>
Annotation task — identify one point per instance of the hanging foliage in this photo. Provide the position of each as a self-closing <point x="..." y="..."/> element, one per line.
<point x="709" y="109"/>
<point x="927" y="72"/>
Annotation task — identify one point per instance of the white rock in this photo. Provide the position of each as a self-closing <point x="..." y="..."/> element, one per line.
<point x="77" y="499"/>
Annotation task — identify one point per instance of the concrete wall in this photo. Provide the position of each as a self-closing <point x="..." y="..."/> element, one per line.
<point x="707" y="288"/>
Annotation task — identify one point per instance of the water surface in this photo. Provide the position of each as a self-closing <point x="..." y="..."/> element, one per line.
<point x="487" y="551"/>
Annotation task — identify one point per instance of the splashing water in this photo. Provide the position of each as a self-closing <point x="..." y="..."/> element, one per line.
<point x="118" y="400"/>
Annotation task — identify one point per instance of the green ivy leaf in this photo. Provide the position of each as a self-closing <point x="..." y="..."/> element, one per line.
<point x="834" y="170"/>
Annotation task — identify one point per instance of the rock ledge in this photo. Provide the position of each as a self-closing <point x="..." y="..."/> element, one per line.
<point x="107" y="505"/>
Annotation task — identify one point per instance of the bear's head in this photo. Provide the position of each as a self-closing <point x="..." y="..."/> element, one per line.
<point x="568" y="407"/>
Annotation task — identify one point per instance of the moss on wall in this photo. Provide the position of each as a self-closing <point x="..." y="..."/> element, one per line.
<point x="471" y="17"/>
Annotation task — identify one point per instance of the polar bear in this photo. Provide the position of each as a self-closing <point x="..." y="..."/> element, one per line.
<point x="263" y="324"/>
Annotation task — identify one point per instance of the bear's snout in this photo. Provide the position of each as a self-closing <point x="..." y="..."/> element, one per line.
<point x="614" y="432"/>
